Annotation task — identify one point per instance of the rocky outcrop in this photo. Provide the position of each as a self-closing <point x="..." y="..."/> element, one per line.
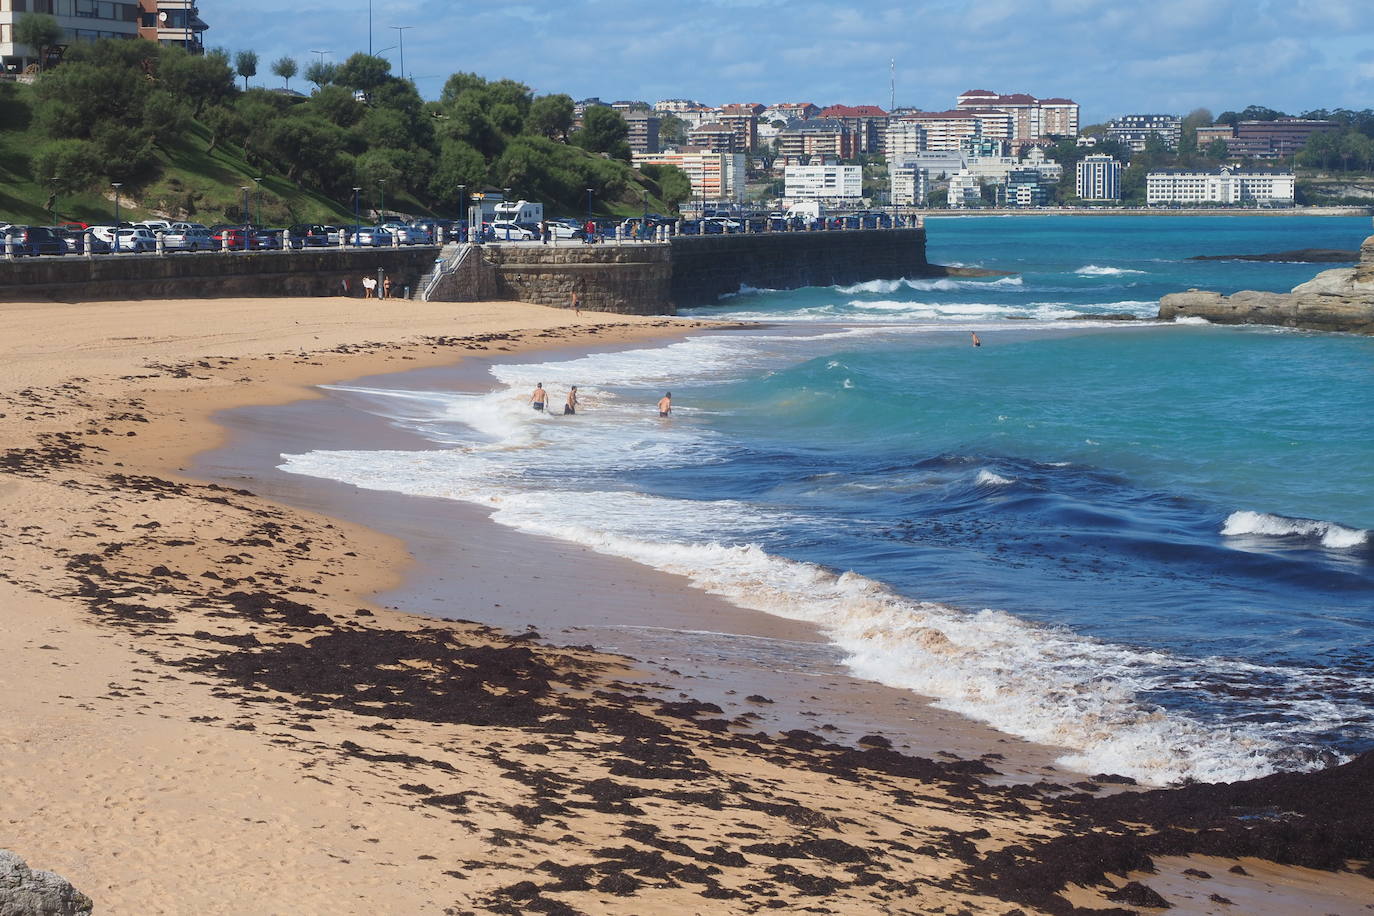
<point x="24" y="892"/>
<point x="1334" y="300"/>
<point x="1302" y="255"/>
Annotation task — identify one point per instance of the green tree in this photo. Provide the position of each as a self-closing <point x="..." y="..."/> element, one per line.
<point x="1217" y="149"/>
<point x="363" y="71"/>
<point x="246" y="65"/>
<point x="201" y="80"/>
<point x="40" y="32"/>
<point x="75" y="162"/>
<point x="321" y="74"/>
<point x="1198" y="117"/>
<point x="672" y="130"/>
<point x="604" y="131"/>
<point x="675" y="186"/>
<point x="459" y="166"/>
<point x="285" y="67"/>
<point x="551" y="116"/>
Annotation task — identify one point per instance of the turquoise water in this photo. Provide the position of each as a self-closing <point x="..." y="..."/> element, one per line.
<point x="1146" y="542"/>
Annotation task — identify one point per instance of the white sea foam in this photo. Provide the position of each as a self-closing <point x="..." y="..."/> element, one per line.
<point x="942" y="284"/>
<point x="1191" y="319"/>
<point x="988" y="478"/>
<point x="1330" y="534"/>
<point x="1093" y="270"/>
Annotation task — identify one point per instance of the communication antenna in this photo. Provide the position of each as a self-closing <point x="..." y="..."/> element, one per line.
<point x="892" y="82"/>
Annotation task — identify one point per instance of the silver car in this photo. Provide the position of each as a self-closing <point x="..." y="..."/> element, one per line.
<point x="189" y="240"/>
<point x="408" y="235"/>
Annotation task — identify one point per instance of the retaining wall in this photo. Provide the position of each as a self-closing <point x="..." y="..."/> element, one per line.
<point x="313" y="272"/>
<point x="633" y="279"/>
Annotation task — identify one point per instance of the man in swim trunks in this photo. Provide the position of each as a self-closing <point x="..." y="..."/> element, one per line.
<point x="571" y="406"/>
<point x="665" y="404"/>
<point x="539" y="397"/>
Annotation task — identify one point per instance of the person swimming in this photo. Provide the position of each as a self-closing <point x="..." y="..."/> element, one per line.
<point x="976" y="341"/>
<point x="665" y="404"/>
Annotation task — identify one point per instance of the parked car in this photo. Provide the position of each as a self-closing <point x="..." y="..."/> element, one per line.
<point x="565" y="229"/>
<point x="201" y="239"/>
<point x="260" y="239"/>
<point x="155" y="226"/>
<point x="311" y="235"/>
<point x="34" y="240"/>
<point x="232" y="238"/>
<point x="137" y="239"/>
<point x="407" y="234"/>
<point x="75" y="242"/>
<point x="507" y="231"/>
<point x="179" y="227"/>
<point x="370" y="236"/>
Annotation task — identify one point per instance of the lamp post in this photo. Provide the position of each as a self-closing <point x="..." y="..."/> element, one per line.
<point x="357" y="196"/>
<point x="589" y="205"/>
<point x="463" y="211"/>
<point x="245" y="189"/>
<point x="52" y="211"/>
<point x="644" y="220"/>
<point x="258" y="182"/>
<point x="321" y="53"/>
<point x="401" y="40"/>
<point x="116" y="185"/>
<point x="369" y="28"/>
<point x="381" y="207"/>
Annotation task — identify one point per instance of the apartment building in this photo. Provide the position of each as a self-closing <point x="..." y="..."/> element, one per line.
<point x="790" y="111"/>
<point x="943" y="130"/>
<point x="867" y="123"/>
<point x="644" y="125"/>
<point x="166" y="21"/>
<point x="714" y="136"/>
<point x="1099" y="178"/>
<point x="743" y="121"/>
<point x="1032" y="118"/>
<point x="1284" y="136"/>
<point x="716" y="177"/>
<point x="1136" y="130"/>
<point x="964" y="191"/>
<point x="816" y="137"/>
<point x="1023" y="188"/>
<point x="1226" y="187"/>
<point x="834" y="183"/>
<point x="909" y="184"/>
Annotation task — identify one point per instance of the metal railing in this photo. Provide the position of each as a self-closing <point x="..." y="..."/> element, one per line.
<point x="443" y="267"/>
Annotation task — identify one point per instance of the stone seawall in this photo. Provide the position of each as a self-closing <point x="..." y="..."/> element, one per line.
<point x="314" y="272"/>
<point x="630" y="279"/>
<point x="708" y="267"/>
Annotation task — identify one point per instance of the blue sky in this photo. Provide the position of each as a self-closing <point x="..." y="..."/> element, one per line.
<point x="1111" y="56"/>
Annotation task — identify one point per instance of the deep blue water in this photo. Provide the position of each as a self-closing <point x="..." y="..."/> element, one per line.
<point x="1149" y="543"/>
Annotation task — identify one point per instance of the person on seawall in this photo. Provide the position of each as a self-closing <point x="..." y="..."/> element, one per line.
<point x="540" y="396"/>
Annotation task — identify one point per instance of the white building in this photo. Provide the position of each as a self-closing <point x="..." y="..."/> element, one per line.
<point x="943" y="130"/>
<point x="716" y="177"/>
<point x="1135" y="130"/>
<point x="964" y="190"/>
<point x="1032" y="118"/>
<point x="909" y="183"/>
<point x="1225" y="187"/>
<point x="1099" y="178"/>
<point x="823" y="182"/>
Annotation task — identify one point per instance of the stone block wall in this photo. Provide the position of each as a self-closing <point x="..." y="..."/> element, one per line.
<point x="313" y="272"/>
<point x="708" y="267"/>
<point x="627" y="279"/>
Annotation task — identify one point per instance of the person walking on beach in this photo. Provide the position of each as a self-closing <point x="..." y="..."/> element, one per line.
<point x="539" y="397"/>
<point x="576" y="304"/>
<point x="571" y="406"/>
<point x="976" y="341"/>
<point x="665" y="404"/>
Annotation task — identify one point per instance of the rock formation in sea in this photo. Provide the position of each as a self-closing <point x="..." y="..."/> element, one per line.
<point x="1335" y="300"/>
<point x="25" y="892"/>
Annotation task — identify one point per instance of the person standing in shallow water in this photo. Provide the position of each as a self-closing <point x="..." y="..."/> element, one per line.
<point x="540" y="396"/>
<point x="665" y="404"/>
<point x="571" y="406"/>
<point x="976" y="341"/>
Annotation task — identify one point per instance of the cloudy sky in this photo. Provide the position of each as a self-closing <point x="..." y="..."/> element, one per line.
<point x="1111" y="56"/>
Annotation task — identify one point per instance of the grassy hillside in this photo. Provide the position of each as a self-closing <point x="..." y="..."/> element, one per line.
<point x="203" y="184"/>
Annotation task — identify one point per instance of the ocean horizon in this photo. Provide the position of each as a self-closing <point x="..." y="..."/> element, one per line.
<point x="1148" y="543"/>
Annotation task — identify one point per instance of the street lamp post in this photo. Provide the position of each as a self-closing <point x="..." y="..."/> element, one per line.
<point x="357" y="196"/>
<point x="246" y="214"/>
<point x="381" y="208"/>
<point x="52" y="211"/>
<point x="589" y="206"/>
<point x="116" y="185"/>
<point x="258" y="182"/>
<point x="401" y="41"/>
<point x="644" y="220"/>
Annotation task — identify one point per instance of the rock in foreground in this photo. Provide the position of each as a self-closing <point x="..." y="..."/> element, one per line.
<point x="1335" y="300"/>
<point x="24" y="892"/>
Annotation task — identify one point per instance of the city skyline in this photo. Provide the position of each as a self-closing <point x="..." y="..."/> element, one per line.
<point x="1112" y="58"/>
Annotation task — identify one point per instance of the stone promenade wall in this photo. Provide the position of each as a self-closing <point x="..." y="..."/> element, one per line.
<point x="708" y="267"/>
<point x="632" y="279"/>
<point x="313" y="272"/>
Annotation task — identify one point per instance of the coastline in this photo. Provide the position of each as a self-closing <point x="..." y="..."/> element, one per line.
<point x="1150" y="211"/>
<point x="202" y="712"/>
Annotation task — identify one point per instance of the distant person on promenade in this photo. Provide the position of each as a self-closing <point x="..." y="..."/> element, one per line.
<point x="369" y="286"/>
<point x="540" y="396"/>
<point x="665" y="404"/>
<point x="589" y="232"/>
<point x="571" y="406"/>
<point x="543" y="232"/>
<point x="976" y="341"/>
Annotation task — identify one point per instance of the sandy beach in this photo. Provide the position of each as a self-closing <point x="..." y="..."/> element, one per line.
<point x="204" y="710"/>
